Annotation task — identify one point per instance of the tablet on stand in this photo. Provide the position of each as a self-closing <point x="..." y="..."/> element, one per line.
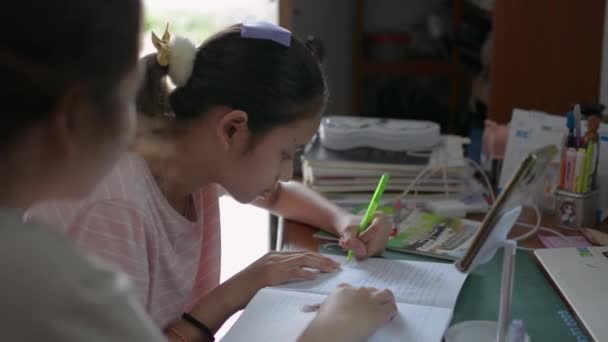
<point x="491" y="236"/>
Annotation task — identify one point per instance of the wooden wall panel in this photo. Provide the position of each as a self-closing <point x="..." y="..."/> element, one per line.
<point x="546" y="55"/>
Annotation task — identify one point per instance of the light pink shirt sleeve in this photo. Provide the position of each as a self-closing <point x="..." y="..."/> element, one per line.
<point x="115" y="231"/>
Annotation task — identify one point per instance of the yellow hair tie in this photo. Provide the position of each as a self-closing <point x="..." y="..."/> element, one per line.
<point x="162" y="47"/>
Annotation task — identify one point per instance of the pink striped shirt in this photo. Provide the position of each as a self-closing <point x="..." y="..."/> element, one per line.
<point x="127" y="221"/>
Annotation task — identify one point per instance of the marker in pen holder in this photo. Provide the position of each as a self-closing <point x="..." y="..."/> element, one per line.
<point x="576" y="200"/>
<point x="574" y="210"/>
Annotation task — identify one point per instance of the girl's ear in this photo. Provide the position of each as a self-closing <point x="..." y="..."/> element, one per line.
<point x="232" y="129"/>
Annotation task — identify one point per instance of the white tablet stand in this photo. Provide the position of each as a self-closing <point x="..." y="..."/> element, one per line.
<point x="503" y="330"/>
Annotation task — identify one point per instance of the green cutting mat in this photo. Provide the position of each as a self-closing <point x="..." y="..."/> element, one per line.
<point x="534" y="299"/>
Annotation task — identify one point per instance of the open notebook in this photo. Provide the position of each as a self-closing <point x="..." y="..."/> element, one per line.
<point x="426" y="293"/>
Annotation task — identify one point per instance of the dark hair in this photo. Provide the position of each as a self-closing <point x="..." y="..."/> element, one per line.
<point x="48" y="47"/>
<point x="272" y="83"/>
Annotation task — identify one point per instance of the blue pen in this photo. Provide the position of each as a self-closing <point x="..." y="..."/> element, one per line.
<point x="577" y="126"/>
<point x="570" y="125"/>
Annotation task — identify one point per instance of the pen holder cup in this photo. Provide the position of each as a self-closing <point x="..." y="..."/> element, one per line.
<point x="576" y="210"/>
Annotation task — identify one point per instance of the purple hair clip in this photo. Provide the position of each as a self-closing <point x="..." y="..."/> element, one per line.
<point x="266" y="30"/>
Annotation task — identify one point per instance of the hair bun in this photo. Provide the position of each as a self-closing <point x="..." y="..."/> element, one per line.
<point x="181" y="103"/>
<point x="182" y="54"/>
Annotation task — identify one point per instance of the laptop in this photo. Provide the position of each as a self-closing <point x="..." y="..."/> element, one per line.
<point x="581" y="276"/>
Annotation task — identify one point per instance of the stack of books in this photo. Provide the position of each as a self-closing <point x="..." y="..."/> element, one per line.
<point x="358" y="170"/>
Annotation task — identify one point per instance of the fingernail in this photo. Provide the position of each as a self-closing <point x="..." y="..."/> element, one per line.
<point x="311" y="308"/>
<point x="332" y="268"/>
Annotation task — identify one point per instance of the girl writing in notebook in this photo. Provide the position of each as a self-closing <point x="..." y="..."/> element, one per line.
<point x="242" y="104"/>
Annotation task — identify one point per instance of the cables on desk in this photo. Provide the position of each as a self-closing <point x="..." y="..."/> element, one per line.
<point x="431" y="170"/>
<point x="534" y="228"/>
<point x="485" y="178"/>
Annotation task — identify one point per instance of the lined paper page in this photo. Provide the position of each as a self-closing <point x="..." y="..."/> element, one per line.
<point x="276" y="315"/>
<point x="412" y="282"/>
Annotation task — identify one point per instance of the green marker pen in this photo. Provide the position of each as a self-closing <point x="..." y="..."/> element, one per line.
<point x="371" y="210"/>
